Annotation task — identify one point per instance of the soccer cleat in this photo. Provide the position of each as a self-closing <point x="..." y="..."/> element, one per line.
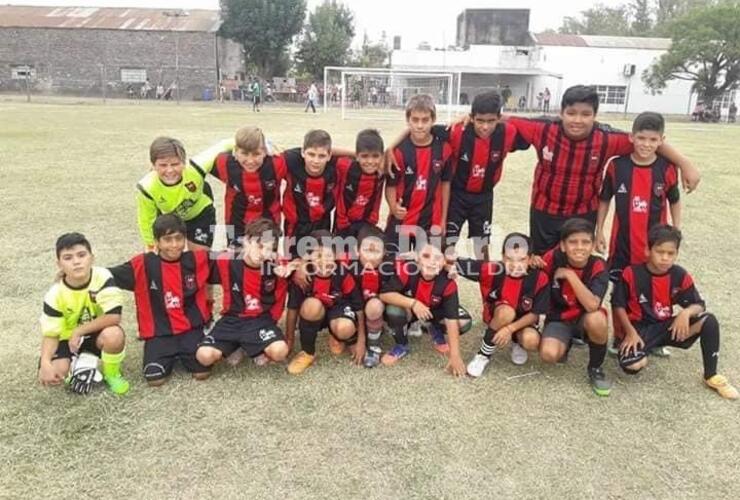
<point x="661" y="352"/>
<point x="601" y="385"/>
<point x="111" y="368"/>
<point x="439" y="342"/>
<point x="117" y="384"/>
<point x="336" y="346"/>
<point x="519" y="355"/>
<point x="478" y="365"/>
<point x="720" y="384"/>
<point x="371" y="359"/>
<point x="393" y="356"/>
<point x="300" y="363"/>
<point x="414" y="329"/>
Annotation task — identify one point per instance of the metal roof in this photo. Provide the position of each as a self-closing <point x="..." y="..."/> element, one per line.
<point x="18" y="16"/>
<point x="608" y="42"/>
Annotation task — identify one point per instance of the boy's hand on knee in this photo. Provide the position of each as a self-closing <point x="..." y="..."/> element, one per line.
<point x="503" y="336"/>
<point x="631" y="344"/>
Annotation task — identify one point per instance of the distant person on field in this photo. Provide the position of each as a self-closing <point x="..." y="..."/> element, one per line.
<point x="731" y="113"/>
<point x="312" y="97"/>
<point x="546" y="100"/>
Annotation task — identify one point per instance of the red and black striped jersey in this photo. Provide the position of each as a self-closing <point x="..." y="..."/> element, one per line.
<point x="422" y="170"/>
<point x="358" y="194"/>
<point x="568" y="175"/>
<point x="438" y="294"/>
<point x="564" y="305"/>
<point x="249" y="292"/>
<point x="649" y="298"/>
<point x="477" y="163"/>
<point x="171" y="297"/>
<point x="528" y="294"/>
<point x="337" y="290"/>
<point x="641" y="197"/>
<point x="308" y="199"/>
<point x="250" y="195"/>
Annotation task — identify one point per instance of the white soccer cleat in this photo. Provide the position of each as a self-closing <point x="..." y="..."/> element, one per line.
<point x="477" y="365"/>
<point x="519" y="355"/>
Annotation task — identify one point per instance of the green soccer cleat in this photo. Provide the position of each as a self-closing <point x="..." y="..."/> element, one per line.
<point x="117" y="384"/>
<point x="601" y="385"/>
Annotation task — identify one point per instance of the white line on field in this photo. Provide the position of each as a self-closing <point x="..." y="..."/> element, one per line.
<point x="522" y="376"/>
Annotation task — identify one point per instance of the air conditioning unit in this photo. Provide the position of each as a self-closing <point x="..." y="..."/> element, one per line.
<point x="629" y="70"/>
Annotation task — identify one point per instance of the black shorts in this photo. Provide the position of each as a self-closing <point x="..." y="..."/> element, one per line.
<point x="301" y="230"/>
<point x="253" y="335"/>
<point x="340" y="311"/>
<point x="564" y="331"/>
<point x="544" y="229"/>
<point x="88" y="345"/>
<point x="656" y="335"/>
<point x="201" y="228"/>
<point x="160" y="354"/>
<point x="476" y="209"/>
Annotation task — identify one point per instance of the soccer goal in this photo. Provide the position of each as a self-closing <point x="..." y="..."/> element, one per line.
<point x="379" y="93"/>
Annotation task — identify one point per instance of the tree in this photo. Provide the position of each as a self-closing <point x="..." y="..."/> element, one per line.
<point x="669" y="10"/>
<point x="372" y="54"/>
<point x="642" y="20"/>
<point x="599" y="20"/>
<point x="326" y="38"/>
<point x="705" y="49"/>
<point x="264" y="28"/>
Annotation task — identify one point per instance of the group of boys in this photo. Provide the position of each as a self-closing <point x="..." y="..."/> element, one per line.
<point x="356" y="280"/>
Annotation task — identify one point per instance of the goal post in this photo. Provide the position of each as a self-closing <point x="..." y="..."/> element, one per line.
<point x="378" y="93"/>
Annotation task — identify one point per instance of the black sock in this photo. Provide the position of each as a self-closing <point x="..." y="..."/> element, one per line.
<point x="709" y="339"/>
<point x="596" y="354"/>
<point x="309" y="331"/>
<point x="487" y="347"/>
<point x="399" y="335"/>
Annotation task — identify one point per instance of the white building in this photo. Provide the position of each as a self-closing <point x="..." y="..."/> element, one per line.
<point x="614" y="65"/>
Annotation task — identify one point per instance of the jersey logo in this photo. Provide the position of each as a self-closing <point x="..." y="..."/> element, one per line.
<point x="622" y="189"/>
<point x="269" y="285"/>
<point x="661" y="311"/>
<point x="495" y="156"/>
<point x="675" y="291"/>
<point x="639" y="205"/>
<point x="409" y="171"/>
<point x="236" y="188"/>
<point x="556" y="284"/>
<point x="421" y="184"/>
<point x="191" y="186"/>
<point x="349" y="187"/>
<point x="200" y="235"/>
<point x="254" y="201"/>
<point x="643" y="299"/>
<point x="347" y="312"/>
<point x="93" y="295"/>
<point x="153" y="286"/>
<point x="464" y="157"/>
<point x="161" y="199"/>
<point x="435" y="300"/>
<point x="361" y="201"/>
<point x="478" y="171"/>
<point x="266" y="334"/>
<point x="493" y="294"/>
<point x="547" y="154"/>
<point x="526" y="304"/>
<point x="171" y="301"/>
<point x="659" y="189"/>
<point x="486" y="228"/>
<point x="313" y="200"/>
<point x="251" y="303"/>
<point x="437" y="166"/>
<point x="270" y="185"/>
<point x="85" y="317"/>
<point x="297" y="189"/>
<point x="235" y="288"/>
<point x="189" y="281"/>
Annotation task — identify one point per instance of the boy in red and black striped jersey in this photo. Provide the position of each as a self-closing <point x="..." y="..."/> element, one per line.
<point x="643" y="185"/>
<point x="643" y="303"/>
<point x="579" y="281"/>
<point x="331" y="300"/>
<point x="514" y="296"/>
<point x="478" y="153"/>
<point x="171" y="300"/>
<point x="419" y="193"/>
<point x="254" y="289"/>
<point x="422" y="290"/>
<point x="252" y="178"/>
<point x="571" y="154"/>
<point x="360" y="186"/>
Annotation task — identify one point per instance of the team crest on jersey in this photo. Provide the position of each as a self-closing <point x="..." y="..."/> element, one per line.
<point x="527" y="304"/>
<point x="269" y="285"/>
<point x="437" y="166"/>
<point x="93" y="295"/>
<point x="675" y="291"/>
<point x="659" y="189"/>
<point x="190" y="281"/>
<point x="435" y="300"/>
<point x="191" y="186"/>
<point x="495" y="156"/>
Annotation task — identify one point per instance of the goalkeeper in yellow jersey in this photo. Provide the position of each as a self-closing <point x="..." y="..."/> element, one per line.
<point x="82" y="338"/>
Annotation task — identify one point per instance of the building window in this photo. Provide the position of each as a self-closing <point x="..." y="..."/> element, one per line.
<point x="611" y="94"/>
<point x="133" y="75"/>
<point x="725" y="100"/>
<point x="22" y="71"/>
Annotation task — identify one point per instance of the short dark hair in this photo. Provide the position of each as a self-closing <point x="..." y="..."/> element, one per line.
<point x="649" y="120"/>
<point x="317" y="139"/>
<point x="165" y="147"/>
<point x="369" y="140"/>
<point x="370" y="231"/>
<point x="421" y="103"/>
<point x="259" y="227"/>
<point x="69" y="240"/>
<point x="166" y="224"/>
<point x="664" y="233"/>
<point x="576" y="225"/>
<point x="515" y="241"/>
<point x="485" y="103"/>
<point x="580" y="93"/>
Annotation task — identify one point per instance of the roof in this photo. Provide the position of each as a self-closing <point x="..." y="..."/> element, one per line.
<point x="608" y="42"/>
<point x="19" y="16"/>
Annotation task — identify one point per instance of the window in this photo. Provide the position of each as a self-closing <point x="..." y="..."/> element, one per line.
<point x="133" y="75"/>
<point x="611" y="94"/>
<point x="22" y="71"/>
<point x="726" y="99"/>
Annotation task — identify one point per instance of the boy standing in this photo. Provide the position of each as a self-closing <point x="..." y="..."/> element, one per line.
<point x="172" y="306"/>
<point x="82" y="314"/>
<point x="643" y="303"/>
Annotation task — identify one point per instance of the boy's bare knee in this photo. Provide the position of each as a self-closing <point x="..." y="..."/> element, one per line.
<point x="374" y="309"/>
<point x="549" y="353"/>
<point x="503" y="315"/>
<point x="111" y="339"/>
<point x="529" y="339"/>
<point x="342" y="328"/>
<point x="312" y="309"/>
<point x="208" y="356"/>
<point x="277" y="351"/>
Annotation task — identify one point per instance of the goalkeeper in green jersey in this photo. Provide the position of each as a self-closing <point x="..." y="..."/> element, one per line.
<point x="173" y="186"/>
<point x="80" y="322"/>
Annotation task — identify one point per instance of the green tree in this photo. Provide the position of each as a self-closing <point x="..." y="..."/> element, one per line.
<point x="599" y="20"/>
<point x="326" y="39"/>
<point x="264" y="28"/>
<point x="372" y="54"/>
<point x="705" y="49"/>
<point x="642" y="19"/>
<point x="667" y="11"/>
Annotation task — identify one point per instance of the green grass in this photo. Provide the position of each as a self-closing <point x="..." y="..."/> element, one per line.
<point x="338" y="431"/>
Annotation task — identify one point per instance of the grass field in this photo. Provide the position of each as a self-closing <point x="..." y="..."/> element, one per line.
<point x="339" y="431"/>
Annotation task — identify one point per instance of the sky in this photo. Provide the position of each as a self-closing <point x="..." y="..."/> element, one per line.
<point x="395" y="17"/>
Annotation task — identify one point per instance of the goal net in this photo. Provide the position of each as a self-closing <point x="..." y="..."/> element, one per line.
<point x="379" y="93"/>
